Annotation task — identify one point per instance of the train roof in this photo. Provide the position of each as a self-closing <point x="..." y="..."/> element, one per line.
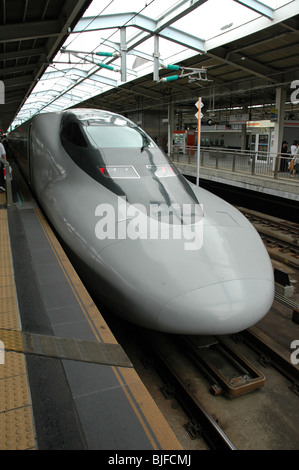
<point x="89" y="116"/>
<point x="88" y="112"/>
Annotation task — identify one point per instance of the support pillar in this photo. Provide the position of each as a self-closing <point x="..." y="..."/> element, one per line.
<point x="244" y="131"/>
<point x="276" y="143"/>
<point x="244" y="135"/>
<point x="170" y="128"/>
<point x="156" y="58"/>
<point x="123" y="54"/>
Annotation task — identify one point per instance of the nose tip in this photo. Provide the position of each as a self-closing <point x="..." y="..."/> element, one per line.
<point x="222" y="308"/>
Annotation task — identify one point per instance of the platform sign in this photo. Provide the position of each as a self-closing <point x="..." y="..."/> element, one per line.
<point x="274" y="115"/>
<point x="198" y="115"/>
<point x="238" y="118"/>
<point x="199" y="104"/>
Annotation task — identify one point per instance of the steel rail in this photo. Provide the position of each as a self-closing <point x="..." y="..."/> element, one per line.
<point x="212" y="432"/>
<point x="280" y="359"/>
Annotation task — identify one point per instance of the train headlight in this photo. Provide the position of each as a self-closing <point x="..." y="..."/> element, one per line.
<point x="162" y="171"/>
<point x="119" y="171"/>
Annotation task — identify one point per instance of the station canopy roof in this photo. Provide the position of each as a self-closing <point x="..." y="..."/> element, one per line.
<point x="121" y="52"/>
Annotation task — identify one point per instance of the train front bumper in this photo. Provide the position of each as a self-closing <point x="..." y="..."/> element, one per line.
<point x="224" y="308"/>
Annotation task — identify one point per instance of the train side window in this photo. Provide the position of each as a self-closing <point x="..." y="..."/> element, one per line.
<point x="73" y="133"/>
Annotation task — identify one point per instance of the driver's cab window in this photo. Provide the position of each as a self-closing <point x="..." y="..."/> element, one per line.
<point x="73" y="133"/>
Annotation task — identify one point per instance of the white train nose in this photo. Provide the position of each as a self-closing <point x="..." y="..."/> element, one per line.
<point x="222" y="308"/>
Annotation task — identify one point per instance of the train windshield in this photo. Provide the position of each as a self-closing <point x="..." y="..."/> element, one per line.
<point x="107" y="136"/>
<point x="123" y="158"/>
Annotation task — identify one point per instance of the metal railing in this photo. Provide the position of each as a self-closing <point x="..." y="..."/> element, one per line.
<point x="9" y="199"/>
<point x="237" y="161"/>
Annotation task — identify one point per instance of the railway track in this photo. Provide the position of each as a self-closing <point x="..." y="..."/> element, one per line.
<point x="224" y="371"/>
<point x="285" y="230"/>
<point x="271" y="353"/>
<point x="215" y="390"/>
<point x="174" y="370"/>
<point x="280" y="237"/>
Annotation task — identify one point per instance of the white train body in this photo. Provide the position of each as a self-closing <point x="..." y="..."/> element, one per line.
<point x="160" y="251"/>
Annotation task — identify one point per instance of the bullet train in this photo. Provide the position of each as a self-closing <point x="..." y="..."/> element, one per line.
<point x="159" y="251"/>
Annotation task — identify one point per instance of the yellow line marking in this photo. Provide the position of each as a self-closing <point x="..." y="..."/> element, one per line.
<point x="16" y="422"/>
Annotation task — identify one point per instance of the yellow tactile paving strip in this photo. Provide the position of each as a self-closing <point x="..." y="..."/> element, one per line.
<point x="65" y="348"/>
<point x="2" y="199"/>
<point x="16" y="423"/>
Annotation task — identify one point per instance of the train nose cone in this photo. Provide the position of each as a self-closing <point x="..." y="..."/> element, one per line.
<point x="222" y="308"/>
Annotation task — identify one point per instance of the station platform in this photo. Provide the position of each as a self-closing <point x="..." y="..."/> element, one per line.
<point x="284" y="187"/>
<point x="65" y="382"/>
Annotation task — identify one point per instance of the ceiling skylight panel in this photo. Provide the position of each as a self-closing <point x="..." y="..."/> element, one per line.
<point x="274" y="3"/>
<point x="90" y="85"/>
<point x="215" y="17"/>
<point x="159" y="9"/>
<point x="152" y="8"/>
<point x="90" y="41"/>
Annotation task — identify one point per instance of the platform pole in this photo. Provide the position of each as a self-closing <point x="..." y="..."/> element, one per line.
<point x="278" y="128"/>
<point x="199" y="114"/>
<point x="170" y="128"/>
